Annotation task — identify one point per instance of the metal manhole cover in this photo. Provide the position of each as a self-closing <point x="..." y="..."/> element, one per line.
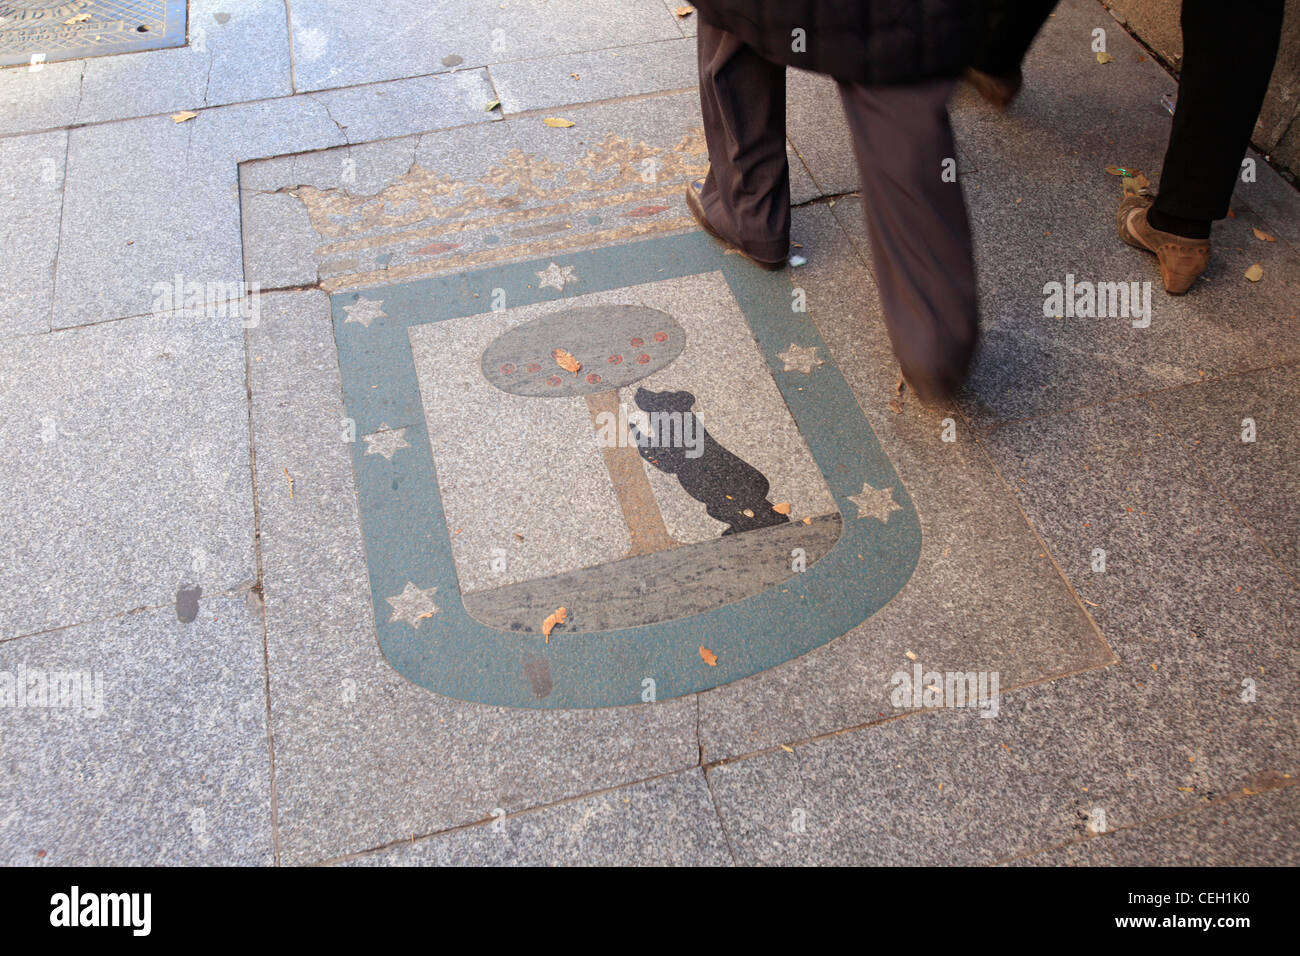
<point x="37" y="31"/>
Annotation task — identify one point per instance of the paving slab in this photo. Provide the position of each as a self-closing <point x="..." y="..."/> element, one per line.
<point x="1016" y="617"/>
<point x="453" y="199"/>
<point x="139" y="740"/>
<point x="669" y="821"/>
<point x="419" y="763"/>
<point x="1256" y="830"/>
<point x="597" y="75"/>
<point x="42" y="98"/>
<point x="125" y="484"/>
<point x="1259" y="477"/>
<point x="1198" y="706"/>
<point x="31" y="200"/>
<point x="343" y="43"/>
<point x="236" y="52"/>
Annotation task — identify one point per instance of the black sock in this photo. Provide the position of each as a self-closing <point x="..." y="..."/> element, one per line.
<point x="1187" y="228"/>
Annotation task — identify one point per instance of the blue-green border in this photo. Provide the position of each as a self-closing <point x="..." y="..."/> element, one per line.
<point x="407" y="539"/>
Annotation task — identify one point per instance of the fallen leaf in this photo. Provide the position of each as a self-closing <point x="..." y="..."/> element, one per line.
<point x="808" y="520"/>
<point x="183" y="115"/>
<point x="1136" y="184"/>
<point x="79" y="18"/>
<point x="557" y="123"/>
<point x="782" y="508"/>
<point x="548" y="625"/>
<point x="684" y="11"/>
<point x="1232" y="213"/>
<point x="895" y="406"/>
<point x="788" y="750"/>
<point x="1255" y="272"/>
<point x="747" y="513"/>
<point x="910" y="656"/>
<point x="575" y="76"/>
<point x="566" y="361"/>
<point x="1261" y="235"/>
<point x="1104" y="58"/>
<point x="708" y="656"/>
<point x="491" y="106"/>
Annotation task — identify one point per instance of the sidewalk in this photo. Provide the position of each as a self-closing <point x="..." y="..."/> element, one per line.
<point x="284" y="484"/>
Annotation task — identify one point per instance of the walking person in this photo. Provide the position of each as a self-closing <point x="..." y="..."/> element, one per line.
<point x="1227" y="60"/>
<point x="895" y="62"/>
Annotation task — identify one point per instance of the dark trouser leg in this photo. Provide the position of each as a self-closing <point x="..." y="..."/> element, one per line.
<point x="1227" y="60"/>
<point x="746" y="195"/>
<point x="1008" y="31"/>
<point x="920" y="236"/>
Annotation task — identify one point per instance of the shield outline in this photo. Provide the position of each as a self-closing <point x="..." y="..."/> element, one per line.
<point x="406" y="537"/>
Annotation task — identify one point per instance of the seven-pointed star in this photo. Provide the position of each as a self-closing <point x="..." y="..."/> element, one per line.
<point x="875" y="502"/>
<point x="800" y="359"/>
<point x="555" y="277"/>
<point x="365" y="311"/>
<point x="387" y="441"/>
<point x="413" y="605"/>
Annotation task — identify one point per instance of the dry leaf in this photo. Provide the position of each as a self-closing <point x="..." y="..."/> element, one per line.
<point x="708" y="656"/>
<point x="747" y="513"/>
<point x="1255" y="272"/>
<point x="557" y="123"/>
<point x="184" y="115"/>
<point x="895" y="406"/>
<point x="1116" y="170"/>
<point x="79" y="18"/>
<point x="548" y="625"/>
<point x="1136" y="184"/>
<point x="783" y="508"/>
<point x="808" y="520"/>
<point x="491" y="106"/>
<point x="1261" y="235"/>
<point x="1232" y="213"/>
<point x="1104" y="58"/>
<point x="684" y="11"/>
<point x="910" y="656"/>
<point x="788" y="750"/>
<point x="566" y="361"/>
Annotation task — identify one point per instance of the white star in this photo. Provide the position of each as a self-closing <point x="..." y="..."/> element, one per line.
<point x="800" y="359"/>
<point x="365" y="311"/>
<point x="555" y="277"/>
<point x="413" y="605"/>
<point x="875" y="503"/>
<point x="387" y="441"/>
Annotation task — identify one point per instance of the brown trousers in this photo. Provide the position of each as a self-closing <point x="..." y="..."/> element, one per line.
<point x="920" y="236"/>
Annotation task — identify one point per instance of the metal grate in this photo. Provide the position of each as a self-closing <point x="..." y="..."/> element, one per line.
<point x="34" y="31"/>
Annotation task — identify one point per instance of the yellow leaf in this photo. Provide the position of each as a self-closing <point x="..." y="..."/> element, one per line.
<point x="557" y="123"/>
<point x="1104" y="58"/>
<point x="1261" y="235"/>
<point x="788" y="750"/>
<point x="183" y="115"/>
<point x="491" y="106"/>
<point x="548" y="625"/>
<point x="684" y="11"/>
<point x="709" y="657"/>
<point x="782" y="509"/>
<point x="1255" y="272"/>
<point x="566" y="361"/>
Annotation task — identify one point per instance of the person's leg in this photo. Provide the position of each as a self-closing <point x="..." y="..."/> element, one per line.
<point x="746" y="195"/>
<point x="920" y="236"/>
<point x="1227" y="61"/>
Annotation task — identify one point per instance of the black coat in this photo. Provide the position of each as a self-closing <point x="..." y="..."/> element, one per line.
<point x="863" y="41"/>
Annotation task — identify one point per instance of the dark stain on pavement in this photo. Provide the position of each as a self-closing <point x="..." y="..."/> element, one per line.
<point x="187" y="604"/>
<point x="538" y="672"/>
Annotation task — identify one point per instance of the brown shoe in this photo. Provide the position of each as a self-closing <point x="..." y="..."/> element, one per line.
<point x="697" y="210"/>
<point x="1181" y="259"/>
<point x="998" y="90"/>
